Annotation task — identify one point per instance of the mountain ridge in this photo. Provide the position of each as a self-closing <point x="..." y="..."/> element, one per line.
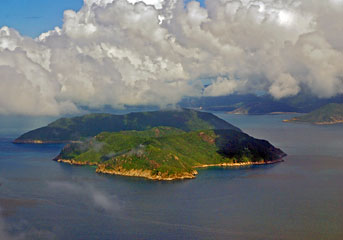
<point x="66" y="130"/>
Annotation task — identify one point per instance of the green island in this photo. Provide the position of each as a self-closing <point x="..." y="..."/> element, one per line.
<point x="158" y="145"/>
<point x="66" y="130"/>
<point x="329" y="114"/>
<point x="166" y="153"/>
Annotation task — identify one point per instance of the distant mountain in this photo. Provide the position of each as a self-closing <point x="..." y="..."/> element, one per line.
<point x="76" y="128"/>
<point x="165" y="153"/>
<point x="265" y="104"/>
<point x="329" y="114"/>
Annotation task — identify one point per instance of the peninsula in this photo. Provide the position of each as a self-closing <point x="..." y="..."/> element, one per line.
<point x="329" y="114"/>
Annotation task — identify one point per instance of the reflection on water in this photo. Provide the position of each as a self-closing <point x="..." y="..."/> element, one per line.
<point x="300" y="198"/>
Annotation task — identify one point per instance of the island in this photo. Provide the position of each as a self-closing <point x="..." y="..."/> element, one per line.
<point x="158" y="145"/>
<point x="167" y="153"/>
<point x="329" y="114"/>
<point x="66" y="130"/>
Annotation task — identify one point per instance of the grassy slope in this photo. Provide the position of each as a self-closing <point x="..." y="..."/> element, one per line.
<point x="169" y="151"/>
<point x="329" y="113"/>
<point x="72" y="129"/>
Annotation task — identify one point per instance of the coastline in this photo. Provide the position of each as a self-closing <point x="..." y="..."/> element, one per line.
<point x="146" y="174"/>
<point x="295" y="120"/>
<point x="18" y="141"/>
<point x="246" y="112"/>
<point x="243" y="164"/>
<point x="160" y="177"/>
<point x="282" y="113"/>
<point x="76" y="163"/>
<point x="129" y="173"/>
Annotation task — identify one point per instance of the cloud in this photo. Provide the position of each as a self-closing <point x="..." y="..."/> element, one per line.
<point x="119" y="52"/>
<point x="4" y="232"/>
<point x="285" y="85"/>
<point x="103" y="201"/>
<point x="7" y="231"/>
<point x="99" y="199"/>
<point x="221" y="86"/>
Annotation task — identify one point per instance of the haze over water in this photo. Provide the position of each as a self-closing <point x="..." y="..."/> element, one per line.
<point x="300" y="198"/>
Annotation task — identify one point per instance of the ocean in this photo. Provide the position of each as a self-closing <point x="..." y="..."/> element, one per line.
<point x="301" y="198"/>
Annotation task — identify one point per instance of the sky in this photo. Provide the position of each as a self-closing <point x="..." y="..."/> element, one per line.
<point x="33" y="17"/>
<point x="57" y="57"/>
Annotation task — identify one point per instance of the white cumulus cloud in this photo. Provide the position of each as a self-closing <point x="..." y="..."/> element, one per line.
<point x="128" y="52"/>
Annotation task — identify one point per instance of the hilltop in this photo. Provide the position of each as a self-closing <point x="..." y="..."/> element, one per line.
<point x="329" y="114"/>
<point x="66" y="130"/>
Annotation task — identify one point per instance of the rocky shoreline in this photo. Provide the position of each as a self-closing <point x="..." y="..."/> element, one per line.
<point x="146" y="174"/>
<point x="73" y="162"/>
<point x="243" y="164"/>
<point x="18" y="141"/>
<point x="101" y="168"/>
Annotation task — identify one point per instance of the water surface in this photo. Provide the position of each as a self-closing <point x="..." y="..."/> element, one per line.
<point x="301" y="198"/>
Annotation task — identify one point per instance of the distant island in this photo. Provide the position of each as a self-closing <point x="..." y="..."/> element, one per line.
<point x="66" y="130"/>
<point x="253" y="104"/>
<point x="158" y="145"/>
<point x="329" y="114"/>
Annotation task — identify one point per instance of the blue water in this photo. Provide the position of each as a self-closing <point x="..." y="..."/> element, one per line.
<point x="301" y="198"/>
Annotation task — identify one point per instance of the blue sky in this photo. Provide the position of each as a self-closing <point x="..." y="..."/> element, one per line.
<point x="32" y="17"/>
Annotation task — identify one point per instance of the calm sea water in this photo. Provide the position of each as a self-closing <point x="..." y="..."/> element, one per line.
<point x="301" y="198"/>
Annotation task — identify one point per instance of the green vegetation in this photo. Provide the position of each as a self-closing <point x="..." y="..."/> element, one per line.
<point x="329" y="114"/>
<point x="78" y="128"/>
<point x="167" y="151"/>
<point x="163" y="145"/>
